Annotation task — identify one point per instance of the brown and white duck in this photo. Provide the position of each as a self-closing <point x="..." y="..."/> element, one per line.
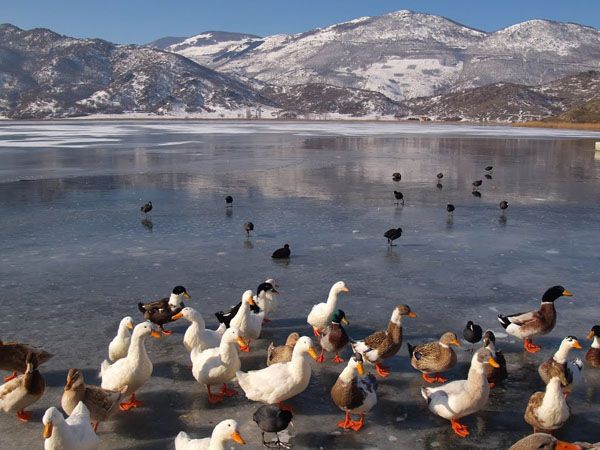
<point x="334" y="339"/>
<point x="434" y="357"/>
<point x="282" y="353"/>
<point x="24" y="390"/>
<point x="547" y="410"/>
<point x="163" y="310"/>
<point x="13" y="357"/>
<point x="384" y="344"/>
<point x="494" y="374"/>
<point x="557" y="366"/>
<point x="101" y="403"/>
<point x="532" y="324"/>
<point x="592" y="356"/>
<point x="354" y="393"/>
<point x="542" y="441"/>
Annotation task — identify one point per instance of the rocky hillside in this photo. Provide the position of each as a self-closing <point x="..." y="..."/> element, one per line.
<point x="589" y="112"/>
<point x="43" y="74"/>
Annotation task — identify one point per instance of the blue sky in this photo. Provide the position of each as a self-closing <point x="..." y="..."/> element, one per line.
<point x="142" y="21"/>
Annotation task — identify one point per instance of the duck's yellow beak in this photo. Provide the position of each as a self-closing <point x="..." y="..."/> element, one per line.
<point x="412" y="314"/>
<point x="154" y="334"/>
<point x="455" y="342"/>
<point x="493" y="363"/>
<point x="237" y="438"/>
<point x="591" y="335"/>
<point x="177" y="316"/>
<point x="311" y="352"/>
<point x="47" y="430"/>
<point x="345" y="321"/>
<point x="240" y="342"/>
<point x="567" y="293"/>
<point x="186" y="295"/>
<point x="360" y="368"/>
<point x="561" y="445"/>
<point x="345" y="289"/>
<point x="130" y="325"/>
<point x="251" y="300"/>
<point x="576" y="344"/>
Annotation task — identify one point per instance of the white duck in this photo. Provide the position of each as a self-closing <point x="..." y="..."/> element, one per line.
<point x="248" y="323"/>
<point x="463" y="397"/>
<point x="197" y="335"/>
<point x="118" y="347"/>
<point x="128" y="374"/>
<point x="280" y="381"/>
<point x="218" y="365"/>
<point x="74" y="433"/>
<point x="224" y="431"/>
<point x="265" y="299"/>
<point x="320" y="315"/>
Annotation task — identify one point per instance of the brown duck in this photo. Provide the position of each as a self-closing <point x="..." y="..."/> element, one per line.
<point x="24" y="390"/>
<point x="434" y="357"/>
<point x="334" y="339"/>
<point x="282" y="353"/>
<point x="547" y="410"/>
<point x="494" y="374"/>
<point x="14" y="354"/>
<point x="101" y="403"/>
<point x="163" y="310"/>
<point x="557" y="366"/>
<point x="384" y="344"/>
<point x="592" y="356"/>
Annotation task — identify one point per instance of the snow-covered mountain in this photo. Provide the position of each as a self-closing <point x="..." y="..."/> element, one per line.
<point x="403" y="55"/>
<point x="44" y="74"/>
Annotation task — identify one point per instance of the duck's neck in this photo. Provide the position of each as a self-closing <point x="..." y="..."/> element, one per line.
<point x="444" y="345"/>
<point x="596" y="343"/>
<point x="228" y="352"/>
<point x="553" y="397"/>
<point x="58" y="428"/>
<point x="216" y="442"/>
<point x="299" y="364"/>
<point x="332" y="299"/>
<point x="175" y="300"/>
<point x="394" y="328"/>
<point x="197" y="322"/>
<point x="492" y="348"/>
<point x="123" y="332"/>
<point x="137" y="349"/>
<point x="347" y="374"/>
<point x="562" y="353"/>
<point x="477" y="379"/>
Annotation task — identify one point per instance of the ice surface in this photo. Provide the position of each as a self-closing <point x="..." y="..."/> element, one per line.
<point x="77" y="255"/>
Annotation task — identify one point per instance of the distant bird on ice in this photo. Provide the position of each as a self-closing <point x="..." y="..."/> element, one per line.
<point x="476" y="184"/>
<point x="146" y="208"/>
<point x="440" y="176"/>
<point x="229" y="201"/>
<point x="503" y="205"/>
<point x="272" y="419"/>
<point x="282" y="253"/>
<point x="248" y="226"/>
<point x="472" y="333"/>
<point x="399" y="197"/>
<point x="396" y="176"/>
<point x="450" y="208"/>
<point x="392" y="234"/>
<point x="489" y="168"/>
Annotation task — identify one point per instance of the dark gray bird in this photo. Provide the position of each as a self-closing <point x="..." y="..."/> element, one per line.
<point x="503" y="205"/>
<point x="488" y="176"/>
<point x="472" y="333"/>
<point x="439" y="185"/>
<point x="392" y="234"/>
<point x="282" y="253"/>
<point x="146" y="208"/>
<point x="476" y="194"/>
<point x="272" y="419"/>
<point x="476" y="184"/>
<point x="229" y="201"/>
<point x="399" y="197"/>
<point x="396" y="176"/>
<point x="489" y="168"/>
<point x="450" y="208"/>
<point x="440" y="176"/>
<point x="248" y="226"/>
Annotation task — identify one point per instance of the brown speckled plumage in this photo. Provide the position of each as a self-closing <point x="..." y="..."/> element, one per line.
<point x="13" y="354"/>
<point x="433" y="356"/>
<point x="282" y="353"/>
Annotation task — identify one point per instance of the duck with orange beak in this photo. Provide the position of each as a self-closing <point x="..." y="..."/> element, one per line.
<point x="532" y="324"/>
<point x="354" y="392"/>
<point x="74" y="433"/>
<point x="224" y="431"/>
<point x="434" y="357"/>
<point x="163" y="310"/>
<point x="248" y="323"/>
<point x="129" y="374"/>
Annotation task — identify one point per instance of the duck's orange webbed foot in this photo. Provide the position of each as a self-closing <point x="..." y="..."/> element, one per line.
<point x="132" y="403"/>
<point x="24" y="416"/>
<point x="440" y="379"/>
<point x="530" y="347"/>
<point x="383" y="371"/>
<point x="337" y="359"/>
<point x="286" y="407"/>
<point x="321" y="358"/>
<point x="213" y="398"/>
<point x="227" y="392"/>
<point x="317" y="332"/>
<point x="459" y="428"/>
<point x="345" y="423"/>
<point x="428" y="378"/>
<point x="10" y="377"/>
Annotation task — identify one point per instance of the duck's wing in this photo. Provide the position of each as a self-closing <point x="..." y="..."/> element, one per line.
<point x="11" y="386"/>
<point x="523" y="318"/>
<point x="376" y="339"/>
<point x="103" y="399"/>
<point x="154" y="307"/>
<point x="227" y="317"/>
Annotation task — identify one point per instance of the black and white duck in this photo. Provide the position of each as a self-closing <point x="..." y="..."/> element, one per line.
<point x="163" y="310"/>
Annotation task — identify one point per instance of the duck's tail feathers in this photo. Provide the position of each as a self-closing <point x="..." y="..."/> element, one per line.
<point x="104" y="367"/>
<point x="182" y="440"/>
<point x="222" y="318"/>
<point x="270" y="351"/>
<point x="425" y="394"/>
<point x="504" y="321"/>
<point x="141" y="308"/>
<point x="411" y="348"/>
<point x="372" y="381"/>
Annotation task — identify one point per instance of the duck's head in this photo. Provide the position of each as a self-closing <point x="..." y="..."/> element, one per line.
<point x="187" y="312"/>
<point x="470" y="325"/>
<point x="51" y="417"/>
<point x="305" y="345"/>
<point x="227" y="429"/>
<point x="570" y="342"/>
<point x="543" y="441"/>
<point x="356" y="361"/>
<point x="404" y="310"/>
<point x="338" y="287"/>
<point x="233" y="335"/>
<point x="126" y="322"/>
<point x="144" y="329"/>
<point x="449" y="338"/>
<point x="484" y="356"/>
<point x="292" y="339"/>
<point x="595" y="332"/>
<point x="286" y="246"/>
<point x="31" y="362"/>
<point x="488" y="337"/>
<point x="180" y="291"/>
<point x="247" y="297"/>
<point x="74" y="379"/>
<point x="266" y="288"/>
<point x="554" y="292"/>
<point x="272" y="281"/>
<point x="339" y="316"/>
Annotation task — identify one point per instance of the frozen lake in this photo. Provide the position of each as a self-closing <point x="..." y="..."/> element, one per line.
<point x="76" y="256"/>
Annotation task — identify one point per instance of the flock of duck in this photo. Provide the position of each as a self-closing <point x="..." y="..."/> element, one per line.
<point x="215" y="362"/>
